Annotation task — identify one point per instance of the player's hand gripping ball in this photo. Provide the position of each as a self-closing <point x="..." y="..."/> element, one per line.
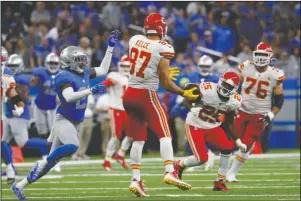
<point x="191" y="92"/>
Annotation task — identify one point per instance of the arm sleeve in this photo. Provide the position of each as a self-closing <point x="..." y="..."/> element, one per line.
<point x="105" y="64"/>
<point x="71" y="96"/>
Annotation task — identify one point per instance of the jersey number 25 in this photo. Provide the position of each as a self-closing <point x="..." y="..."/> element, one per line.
<point x="146" y="56"/>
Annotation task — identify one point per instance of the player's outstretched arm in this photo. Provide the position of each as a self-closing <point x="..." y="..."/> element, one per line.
<point x="71" y="96"/>
<point x="106" y="62"/>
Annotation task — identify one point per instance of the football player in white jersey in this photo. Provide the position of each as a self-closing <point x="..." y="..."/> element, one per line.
<point x="116" y="83"/>
<point x="150" y="58"/>
<point x="260" y="82"/>
<point x="217" y="105"/>
<point x="8" y="90"/>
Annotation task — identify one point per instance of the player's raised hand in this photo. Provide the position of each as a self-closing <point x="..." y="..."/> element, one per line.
<point x="18" y="111"/>
<point x="98" y="88"/>
<point x="113" y="37"/>
<point x="173" y="73"/>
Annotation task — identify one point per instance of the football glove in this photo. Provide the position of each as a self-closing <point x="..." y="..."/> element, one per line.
<point x="113" y="37"/>
<point x="240" y="145"/>
<point x="267" y="118"/>
<point x="18" y="111"/>
<point x="189" y="93"/>
<point x="173" y="73"/>
<point x="98" y="88"/>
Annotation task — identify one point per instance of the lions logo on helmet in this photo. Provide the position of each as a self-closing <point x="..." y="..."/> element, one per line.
<point x="74" y="59"/>
<point x="52" y="63"/>
<point x="15" y="63"/>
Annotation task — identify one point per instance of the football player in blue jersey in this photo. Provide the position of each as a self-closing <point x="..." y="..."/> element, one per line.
<point x="16" y="127"/>
<point x="45" y="101"/>
<point x="72" y="87"/>
<point x="180" y="110"/>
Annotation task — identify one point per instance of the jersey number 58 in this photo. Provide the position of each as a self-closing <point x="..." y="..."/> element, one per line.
<point x="134" y="54"/>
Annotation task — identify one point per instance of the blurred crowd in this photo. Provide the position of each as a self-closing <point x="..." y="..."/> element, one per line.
<point x="35" y="29"/>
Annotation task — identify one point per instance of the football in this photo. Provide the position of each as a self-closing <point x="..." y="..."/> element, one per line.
<point x="192" y="85"/>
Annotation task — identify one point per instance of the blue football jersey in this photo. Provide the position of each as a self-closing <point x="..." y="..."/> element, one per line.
<point x="8" y="71"/>
<point x="46" y="97"/>
<point x="196" y="77"/>
<point x="21" y="79"/>
<point x="73" y="111"/>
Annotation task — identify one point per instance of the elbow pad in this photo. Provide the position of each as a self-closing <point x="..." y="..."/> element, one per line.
<point x="16" y="99"/>
<point x="278" y="100"/>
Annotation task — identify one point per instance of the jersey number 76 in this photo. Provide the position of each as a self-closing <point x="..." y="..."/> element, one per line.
<point x="134" y="54"/>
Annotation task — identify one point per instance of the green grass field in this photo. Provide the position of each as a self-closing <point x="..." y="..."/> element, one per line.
<point x="261" y="179"/>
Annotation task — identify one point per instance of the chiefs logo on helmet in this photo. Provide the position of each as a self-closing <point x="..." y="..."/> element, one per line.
<point x="228" y="84"/>
<point x="155" y="23"/>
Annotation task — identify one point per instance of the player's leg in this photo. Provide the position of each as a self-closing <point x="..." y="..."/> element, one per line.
<point x="195" y="138"/>
<point x="41" y="121"/>
<point x="157" y="120"/>
<point x="116" y="134"/>
<point x="126" y="142"/>
<point x="86" y="139"/>
<point x="217" y="139"/>
<point x="20" y="133"/>
<point x="6" y="152"/>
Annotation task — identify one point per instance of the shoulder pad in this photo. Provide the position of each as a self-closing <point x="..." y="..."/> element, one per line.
<point x="242" y="66"/>
<point x="278" y="74"/>
<point x="22" y="79"/>
<point x="235" y="101"/>
<point x="38" y="71"/>
<point x="207" y="88"/>
<point x="62" y="78"/>
<point x="166" y="50"/>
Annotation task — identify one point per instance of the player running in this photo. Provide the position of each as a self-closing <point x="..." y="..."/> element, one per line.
<point x="45" y="101"/>
<point x="260" y="82"/>
<point x="150" y="58"/>
<point x="117" y="82"/>
<point x="217" y="105"/>
<point x="15" y="126"/>
<point x="72" y="86"/>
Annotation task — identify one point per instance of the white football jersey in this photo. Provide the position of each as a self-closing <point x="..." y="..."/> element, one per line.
<point x="7" y="82"/>
<point x="146" y="55"/>
<point x="117" y="90"/>
<point x="212" y="107"/>
<point x="257" y="88"/>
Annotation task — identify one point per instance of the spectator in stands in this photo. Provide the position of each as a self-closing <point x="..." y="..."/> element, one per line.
<point x="246" y="53"/>
<point x="40" y="15"/>
<point x="112" y="17"/>
<point x="42" y="51"/>
<point x="85" y="131"/>
<point x="84" y="44"/>
<point x="102" y="108"/>
<point x="208" y="40"/>
<point x="252" y="28"/>
<point x="221" y="10"/>
<point x="194" y="42"/>
<point x="195" y="8"/>
<point x="98" y="52"/>
<point x="222" y="65"/>
<point x="32" y="39"/>
<point x="198" y="22"/>
<point x="26" y="54"/>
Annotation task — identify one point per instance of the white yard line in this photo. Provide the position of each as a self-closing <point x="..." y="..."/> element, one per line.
<point x="159" y="195"/>
<point x="88" y="162"/>
<point x="152" y="189"/>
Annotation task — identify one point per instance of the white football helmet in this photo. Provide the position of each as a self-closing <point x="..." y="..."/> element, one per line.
<point x="2" y="64"/>
<point x="124" y="65"/>
<point x="205" y="64"/>
<point x="228" y="84"/>
<point x="15" y="63"/>
<point x="262" y="54"/>
<point x="52" y="63"/>
<point x="74" y="59"/>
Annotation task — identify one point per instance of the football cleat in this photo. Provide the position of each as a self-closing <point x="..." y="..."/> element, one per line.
<point x="231" y="179"/>
<point x="18" y="192"/>
<point x="107" y="165"/>
<point x="36" y="171"/>
<point x="178" y="169"/>
<point x="220" y="186"/>
<point x="11" y="174"/>
<point x="121" y="161"/>
<point x="172" y="178"/>
<point x="56" y="168"/>
<point x="137" y="188"/>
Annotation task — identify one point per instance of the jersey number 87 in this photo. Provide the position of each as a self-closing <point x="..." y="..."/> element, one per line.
<point x="134" y="54"/>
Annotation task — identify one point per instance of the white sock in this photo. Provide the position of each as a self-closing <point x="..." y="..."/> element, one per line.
<point x="238" y="161"/>
<point x="190" y="161"/>
<point x="113" y="142"/>
<point x="22" y="184"/>
<point x="136" y="156"/>
<point x="125" y="145"/>
<point x="166" y="152"/>
<point x="223" y="166"/>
